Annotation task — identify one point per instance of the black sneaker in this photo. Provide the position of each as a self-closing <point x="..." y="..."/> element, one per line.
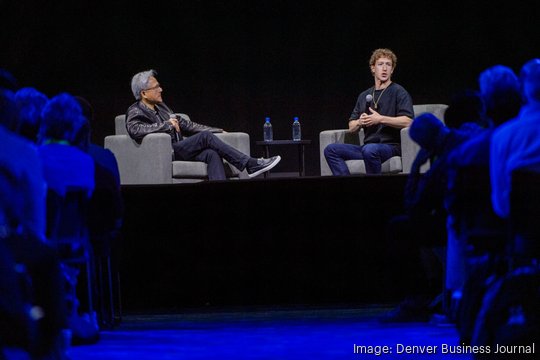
<point x="263" y="165"/>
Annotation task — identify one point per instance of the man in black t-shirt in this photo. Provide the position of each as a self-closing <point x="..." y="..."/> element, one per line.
<point x="382" y="110"/>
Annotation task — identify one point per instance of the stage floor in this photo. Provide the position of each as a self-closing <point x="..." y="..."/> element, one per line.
<point x="269" y="333"/>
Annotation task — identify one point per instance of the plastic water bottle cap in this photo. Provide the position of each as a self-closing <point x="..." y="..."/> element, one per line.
<point x="267" y="119"/>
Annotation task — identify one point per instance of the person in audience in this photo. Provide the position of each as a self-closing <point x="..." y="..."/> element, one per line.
<point x="508" y="314"/>
<point x="30" y="103"/>
<point x="38" y="308"/>
<point x="191" y="141"/>
<point x="106" y="211"/>
<point x="416" y="237"/>
<point x="389" y="109"/>
<point x="471" y="223"/>
<point x="500" y="92"/>
<point x="424" y="193"/>
<point x="67" y="167"/>
<point x="64" y="165"/>
<point x="467" y="112"/>
<point x="515" y="144"/>
<point x="106" y="174"/>
<point x="34" y="203"/>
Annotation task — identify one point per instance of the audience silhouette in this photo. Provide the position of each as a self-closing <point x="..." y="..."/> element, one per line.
<point x="476" y="235"/>
<point x="508" y="314"/>
<point x="68" y="172"/>
<point x="30" y="102"/>
<point x="105" y="215"/>
<point x="417" y="238"/>
<point x="32" y="315"/>
<point x="515" y="144"/>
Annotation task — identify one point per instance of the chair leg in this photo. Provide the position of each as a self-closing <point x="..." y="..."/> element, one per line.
<point x="118" y="317"/>
<point x="89" y="287"/>
<point x="106" y="305"/>
<point x="110" y="290"/>
<point x="99" y="289"/>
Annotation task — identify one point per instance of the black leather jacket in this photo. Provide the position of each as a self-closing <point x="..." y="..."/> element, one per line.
<point x="141" y="121"/>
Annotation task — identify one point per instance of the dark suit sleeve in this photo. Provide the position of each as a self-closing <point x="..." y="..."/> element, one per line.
<point x="189" y="127"/>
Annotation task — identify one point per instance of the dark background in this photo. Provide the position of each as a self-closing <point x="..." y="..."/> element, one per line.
<point x="231" y="63"/>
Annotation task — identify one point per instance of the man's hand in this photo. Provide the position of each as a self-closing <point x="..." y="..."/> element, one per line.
<point x="174" y="123"/>
<point x="367" y="120"/>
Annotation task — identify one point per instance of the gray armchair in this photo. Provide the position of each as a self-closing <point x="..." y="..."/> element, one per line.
<point x="396" y="164"/>
<point x="152" y="162"/>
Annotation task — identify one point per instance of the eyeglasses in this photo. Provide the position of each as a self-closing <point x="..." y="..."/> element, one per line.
<point x="153" y="88"/>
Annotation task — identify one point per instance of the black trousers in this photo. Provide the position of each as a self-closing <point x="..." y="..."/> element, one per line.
<point x="208" y="148"/>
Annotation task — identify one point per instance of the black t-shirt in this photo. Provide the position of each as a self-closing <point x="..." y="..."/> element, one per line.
<point x="394" y="101"/>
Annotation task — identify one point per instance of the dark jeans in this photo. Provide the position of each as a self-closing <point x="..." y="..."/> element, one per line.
<point x="372" y="154"/>
<point x="208" y="148"/>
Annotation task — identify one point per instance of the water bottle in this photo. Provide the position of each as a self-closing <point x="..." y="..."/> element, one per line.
<point x="267" y="130"/>
<point x="296" y="130"/>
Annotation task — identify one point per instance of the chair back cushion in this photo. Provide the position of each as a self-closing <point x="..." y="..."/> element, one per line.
<point x="435" y="109"/>
<point x="120" y="125"/>
<point x="189" y="169"/>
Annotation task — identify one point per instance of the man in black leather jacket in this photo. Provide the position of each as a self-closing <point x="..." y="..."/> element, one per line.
<point x="150" y="115"/>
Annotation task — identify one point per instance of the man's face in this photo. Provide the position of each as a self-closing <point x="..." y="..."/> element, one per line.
<point x="383" y="68"/>
<point x="152" y="94"/>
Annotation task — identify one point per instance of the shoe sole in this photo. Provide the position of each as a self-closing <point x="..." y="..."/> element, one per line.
<point x="264" y="169"/>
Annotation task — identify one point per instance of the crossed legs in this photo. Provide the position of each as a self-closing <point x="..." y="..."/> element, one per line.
<point x="208" y="148"/>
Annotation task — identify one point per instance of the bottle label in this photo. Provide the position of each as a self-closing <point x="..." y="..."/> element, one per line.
<point x="296" y="133"/>
<point x="267" y="131"/>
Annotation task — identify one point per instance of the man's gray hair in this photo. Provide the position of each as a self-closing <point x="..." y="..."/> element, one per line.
<point x="139" y="82"/>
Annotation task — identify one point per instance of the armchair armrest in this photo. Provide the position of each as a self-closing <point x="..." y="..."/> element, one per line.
<point x="337" y="136"/>
<point x="238" y="140"/>
<point x="149" y="162"/>
<point x="326" y="138"/>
